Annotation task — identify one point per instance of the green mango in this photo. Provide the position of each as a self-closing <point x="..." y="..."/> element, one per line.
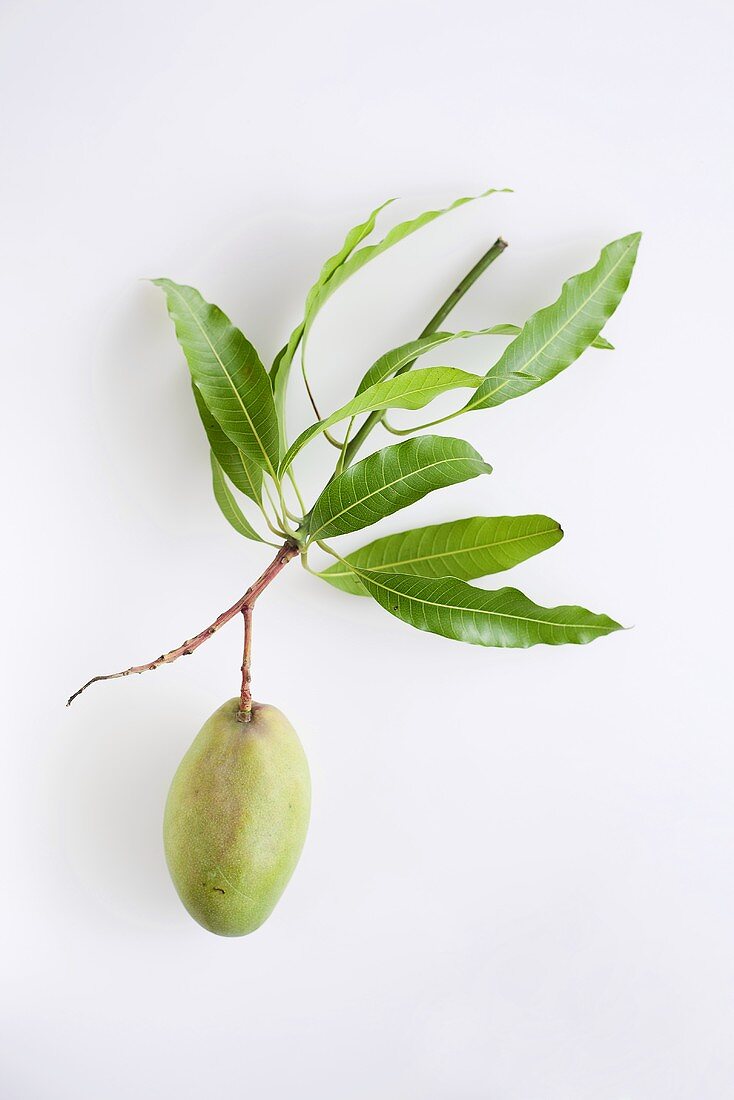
<point x="236" y="818"/>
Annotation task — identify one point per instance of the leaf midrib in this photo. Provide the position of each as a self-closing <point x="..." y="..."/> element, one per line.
<point x="476" y="610"/>
<point x="443" y="554"/>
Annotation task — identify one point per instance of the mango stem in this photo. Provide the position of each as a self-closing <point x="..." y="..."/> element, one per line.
<point x="244" y="713"/>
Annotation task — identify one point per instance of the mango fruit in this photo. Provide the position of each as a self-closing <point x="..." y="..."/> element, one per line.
<point x="236" y="818"/>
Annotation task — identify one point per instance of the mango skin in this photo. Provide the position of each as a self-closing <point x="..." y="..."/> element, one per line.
<point x="236" y="818"/>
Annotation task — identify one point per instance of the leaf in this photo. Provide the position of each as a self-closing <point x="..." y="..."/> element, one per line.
<point x="244" y="474"/>
<point x="464" y="548"/>
<point x="504" y="618"/>
<point x="229" y="374"/>
<point x="390" y="480"/>
<point x="369" y="252"/>
<point x="396" y="360"/>
<point x="408" y="391"/>
<point x="353" y="238"/>
<point x="555" y="336"/>
<point x="281" y="366"/>
<point x="322" y="291"/>
<point x="227" y="503"/>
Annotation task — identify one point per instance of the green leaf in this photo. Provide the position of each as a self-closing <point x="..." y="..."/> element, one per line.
<point x="353" y="261"/>
<point x="395" y="360"/>
<point x="554" y="337"/>
<point x="229" y="374"/>
<point x="504" y="618"/>
<point x="353" y="238"/>
<point x="464" y="548"/>
<point x="282" y="364"/>
<point x="369" y="252"/>
<point x="390" y="480"/>
<point x="407" y="391"/>
<point x="227" y="503"/>
<point x="244" y="474"/>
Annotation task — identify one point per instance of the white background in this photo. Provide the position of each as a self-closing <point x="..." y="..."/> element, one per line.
<point x="518" y="879"/>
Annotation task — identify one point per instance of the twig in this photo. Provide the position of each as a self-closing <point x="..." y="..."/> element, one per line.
<point x="285" y="554"/>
